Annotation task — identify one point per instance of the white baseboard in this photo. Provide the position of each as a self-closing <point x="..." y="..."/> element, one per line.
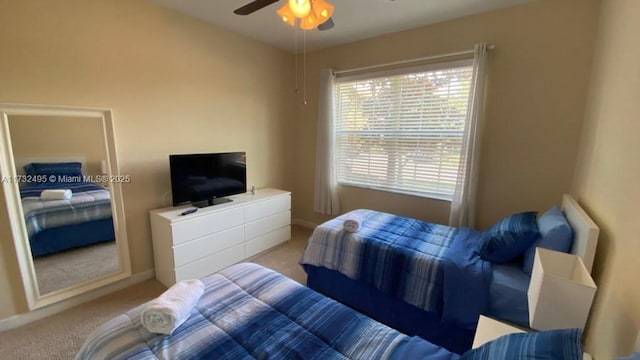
<point x="304" y="223"/>
<point x="25" y="318"/>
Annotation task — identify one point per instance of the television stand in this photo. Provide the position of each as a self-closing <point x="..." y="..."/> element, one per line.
<point x="211" y="202"/>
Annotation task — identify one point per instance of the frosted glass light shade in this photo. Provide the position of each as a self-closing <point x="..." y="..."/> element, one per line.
<point x="560" y="292"/>
<point x="287" y="15"/>
<point x="309" y="22"/>
<point x="310" y="12"/>
<point x="300" y="8"/>
<point x="323" y="10"/>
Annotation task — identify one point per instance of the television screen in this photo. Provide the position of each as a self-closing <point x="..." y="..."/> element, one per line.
<point x="207" y="177"/>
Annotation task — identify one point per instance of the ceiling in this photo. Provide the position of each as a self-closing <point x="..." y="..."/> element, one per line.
<point x="355" y="19"/>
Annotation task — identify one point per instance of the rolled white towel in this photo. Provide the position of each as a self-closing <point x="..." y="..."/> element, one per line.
<point x="352" y="222"/>
<point x="166" y="312"/>
<point x="56" y="194"/>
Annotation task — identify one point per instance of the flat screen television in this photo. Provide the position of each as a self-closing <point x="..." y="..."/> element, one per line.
<point x="205" y="179"/>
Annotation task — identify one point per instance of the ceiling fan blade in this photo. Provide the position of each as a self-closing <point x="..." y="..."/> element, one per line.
<point x="329" y="24"/>
<point x="253" y="6"/>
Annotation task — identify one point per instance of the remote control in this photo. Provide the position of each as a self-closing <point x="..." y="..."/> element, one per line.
<point x="189" y="211"/>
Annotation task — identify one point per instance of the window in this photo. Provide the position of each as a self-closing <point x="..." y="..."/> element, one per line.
<point x="402" y="130"/>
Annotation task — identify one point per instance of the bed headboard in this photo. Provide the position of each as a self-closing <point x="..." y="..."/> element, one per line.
<point x="21" y="162"/>
<point x="585" y="238"/>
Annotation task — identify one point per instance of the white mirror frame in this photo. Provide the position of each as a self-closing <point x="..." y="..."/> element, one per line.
<point x="14" y="203"/>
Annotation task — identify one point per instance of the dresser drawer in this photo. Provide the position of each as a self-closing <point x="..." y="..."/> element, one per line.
<point x="211" y="263"/>
<point x="268" y="224"/>
<point x="266" y="208"/>
<point x="184" y="231"/>
<point x="267" y="241"/>
<point x="193" y="246"/>
<point x="206" y="245"/>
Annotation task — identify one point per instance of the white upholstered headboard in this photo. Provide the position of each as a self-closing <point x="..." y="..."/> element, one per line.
<point x="585" y="239"/>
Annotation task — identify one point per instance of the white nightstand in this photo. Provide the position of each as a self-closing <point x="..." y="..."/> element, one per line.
<point x="560" y="292"/>
<point x="491" y="329"/>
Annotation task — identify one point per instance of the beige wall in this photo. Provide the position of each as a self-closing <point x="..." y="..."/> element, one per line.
<point x="607" y="175"/>
<point x="175" y="85"/>
<point x="178" y="85"/>
<point x="58" y="139"/>
<point x="535" y="100"/>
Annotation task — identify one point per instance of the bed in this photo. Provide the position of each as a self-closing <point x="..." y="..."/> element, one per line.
<point x="58" y="225"/>
<point x="250" y="312"/>
<point x="426" y="279"/>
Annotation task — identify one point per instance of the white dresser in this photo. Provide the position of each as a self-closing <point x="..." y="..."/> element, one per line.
<point x="214" y="237"/>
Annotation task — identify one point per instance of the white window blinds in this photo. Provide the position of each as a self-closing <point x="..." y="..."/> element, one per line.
<point x="402" y="130"/>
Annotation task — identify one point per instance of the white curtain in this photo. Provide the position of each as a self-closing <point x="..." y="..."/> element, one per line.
<point x="464" y="197"/>
<point x="326" y="188"/>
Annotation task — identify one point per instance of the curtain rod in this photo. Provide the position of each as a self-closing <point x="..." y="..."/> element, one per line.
<point x="404" y="62"/>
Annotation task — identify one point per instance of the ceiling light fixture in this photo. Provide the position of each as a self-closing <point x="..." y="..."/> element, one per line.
<point x="310" y="12"/>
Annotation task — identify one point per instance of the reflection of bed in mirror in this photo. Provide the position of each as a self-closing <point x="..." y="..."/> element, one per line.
<point x="60" y="253"/>
<point x="61" y="224"/>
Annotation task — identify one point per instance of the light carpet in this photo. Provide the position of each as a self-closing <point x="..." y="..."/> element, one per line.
<point x="72" y="267"/>
<point x="61" y="336"/>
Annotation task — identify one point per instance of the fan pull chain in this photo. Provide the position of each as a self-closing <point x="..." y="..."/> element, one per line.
<point x="304" y="66"/>
<point x="295" y="42"/>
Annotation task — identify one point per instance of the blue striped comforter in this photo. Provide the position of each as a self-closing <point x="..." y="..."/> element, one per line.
<point x="89" y="202"/>
<point x="403" y="257"/>
<point x="250" y="312"/>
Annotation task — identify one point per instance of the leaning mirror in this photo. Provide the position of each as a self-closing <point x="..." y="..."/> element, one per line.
<point x="64" y="199"/>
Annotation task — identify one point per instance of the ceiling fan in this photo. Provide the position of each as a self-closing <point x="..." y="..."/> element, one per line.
<point x="313" y="13"/>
